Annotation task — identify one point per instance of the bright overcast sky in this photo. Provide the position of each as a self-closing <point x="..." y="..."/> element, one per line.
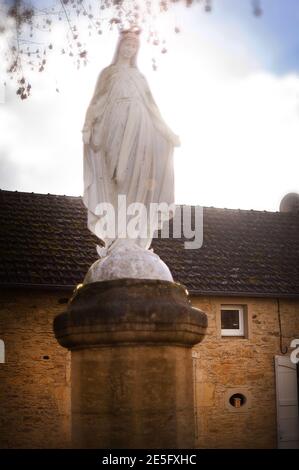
<point x="228" y="86"/>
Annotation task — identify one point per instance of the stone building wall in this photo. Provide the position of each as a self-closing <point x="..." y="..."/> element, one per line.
<point x="35" y="379"/>
<point x="227" y="365"/>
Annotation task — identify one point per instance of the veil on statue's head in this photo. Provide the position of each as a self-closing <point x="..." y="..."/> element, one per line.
<point x="128" y="34"/>
<point x="131" y="34"/>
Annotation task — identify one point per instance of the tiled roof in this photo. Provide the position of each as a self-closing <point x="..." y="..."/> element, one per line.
<point x="44" y="241"/>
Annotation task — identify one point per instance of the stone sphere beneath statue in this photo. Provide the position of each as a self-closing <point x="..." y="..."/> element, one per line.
<point x="128" y="263"/>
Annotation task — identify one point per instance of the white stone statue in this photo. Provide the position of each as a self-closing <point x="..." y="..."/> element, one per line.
<point x="128" y="151"/>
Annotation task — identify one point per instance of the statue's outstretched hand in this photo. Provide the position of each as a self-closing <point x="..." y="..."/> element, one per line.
<point x="86" y="133"/>
<point x="176" y="140"/>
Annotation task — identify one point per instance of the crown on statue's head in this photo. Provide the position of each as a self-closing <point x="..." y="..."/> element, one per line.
<point x="131" y="33"/>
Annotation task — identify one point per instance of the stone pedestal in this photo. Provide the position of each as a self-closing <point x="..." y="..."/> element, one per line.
<point x="131" y="364"/>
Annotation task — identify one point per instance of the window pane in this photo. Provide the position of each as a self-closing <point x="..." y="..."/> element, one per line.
<point x="230" y="320"/>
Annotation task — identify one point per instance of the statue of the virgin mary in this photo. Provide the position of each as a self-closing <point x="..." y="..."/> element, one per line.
<point x="128" y="152"/>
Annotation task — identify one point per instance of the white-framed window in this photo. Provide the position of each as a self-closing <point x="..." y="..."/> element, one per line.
<point x="232" y="320"/>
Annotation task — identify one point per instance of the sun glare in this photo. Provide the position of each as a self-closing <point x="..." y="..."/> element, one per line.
<point x="238" y="124"/>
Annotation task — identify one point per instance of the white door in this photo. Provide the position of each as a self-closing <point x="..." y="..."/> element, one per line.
<point x="287" y="403"/>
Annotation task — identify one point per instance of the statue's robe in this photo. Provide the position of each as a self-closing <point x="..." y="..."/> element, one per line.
<point x="130" y="150"/>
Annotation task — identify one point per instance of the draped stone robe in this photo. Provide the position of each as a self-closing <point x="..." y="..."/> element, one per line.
<point x="130" y="150"/>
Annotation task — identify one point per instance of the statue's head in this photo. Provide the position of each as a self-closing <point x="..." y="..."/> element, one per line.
<point x="128" y="45"/>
